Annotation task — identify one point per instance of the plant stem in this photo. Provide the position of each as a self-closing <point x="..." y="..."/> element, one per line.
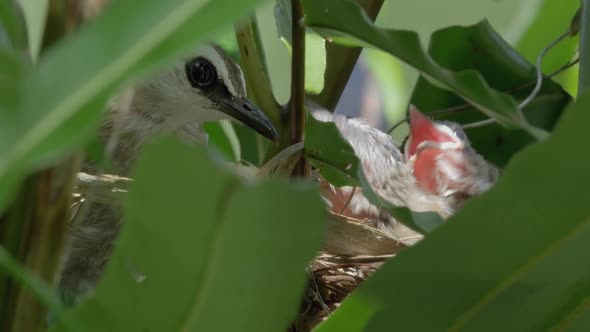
<point x="297" y="107"/>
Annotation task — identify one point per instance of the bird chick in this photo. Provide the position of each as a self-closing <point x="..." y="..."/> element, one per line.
<point x="438" y="172"/>
<point x="443" y="161"/>
<point x="177" y="101"/>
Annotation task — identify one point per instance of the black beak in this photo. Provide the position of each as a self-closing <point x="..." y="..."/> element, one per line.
<point x="249" y="114"/>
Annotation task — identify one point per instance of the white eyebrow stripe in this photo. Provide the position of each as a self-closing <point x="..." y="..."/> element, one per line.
<point x="228" y="72"/>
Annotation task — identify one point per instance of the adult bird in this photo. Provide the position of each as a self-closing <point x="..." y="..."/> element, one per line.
<point x="207" y="87"/>
<point x="438" y="171"/>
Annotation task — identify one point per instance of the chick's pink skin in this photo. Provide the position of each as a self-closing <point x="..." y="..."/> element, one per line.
<point x="435" y="168"/>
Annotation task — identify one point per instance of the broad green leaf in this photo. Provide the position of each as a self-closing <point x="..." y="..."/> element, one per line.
<point x="330" y="153"/>
<point x="344" y="22"/>
<point x="35" y="12"/>
<point x="463" y="48"/>
<point x="315" y="51"/>
<point x="224" y="137"/>
<point x="55" y="118"/>
<point x="12" y="70"/>
<point x="201" y="251"/>
<point x="509" y="261"/>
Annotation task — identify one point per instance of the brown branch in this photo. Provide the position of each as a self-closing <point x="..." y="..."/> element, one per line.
<point x="297" y="107"/>
<point x="34" y="231"/>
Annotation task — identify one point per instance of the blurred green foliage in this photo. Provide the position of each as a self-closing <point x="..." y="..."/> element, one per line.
<point x="203" y="250"/>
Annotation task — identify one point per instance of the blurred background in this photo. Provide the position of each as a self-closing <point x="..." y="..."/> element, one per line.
<point x="380" y="86"/>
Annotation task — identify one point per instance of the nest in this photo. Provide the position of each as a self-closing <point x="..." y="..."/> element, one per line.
<point x="352" y="252"/>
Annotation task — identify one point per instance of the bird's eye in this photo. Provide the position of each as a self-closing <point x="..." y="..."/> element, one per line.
<point x="200" y="73"/>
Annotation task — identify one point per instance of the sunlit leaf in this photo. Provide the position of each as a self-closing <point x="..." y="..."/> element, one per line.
<point x="552" y="18"/>
<point x="315" y="52"/>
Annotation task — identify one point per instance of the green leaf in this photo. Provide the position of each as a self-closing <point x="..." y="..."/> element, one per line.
<point x="464" y="48"/>
<point x="509" y="261"/>
<point x="55" y="118"/>
<point x="584" y="82"/>
<point x="224" y="137"/>
<point x="253" y="146"/>
<point x="12" y="71"/>
<point x="344" y="22"/>
<point x="35" y="12"/>
<point x="12" y="32"/>
<point x="330" y="153"/>
<point x="315" y="51"/>
<point x="228" y="42"/>
<point x="283" y="18"/>
<point x="315" y="62"/>
<point x="200" y="251"/>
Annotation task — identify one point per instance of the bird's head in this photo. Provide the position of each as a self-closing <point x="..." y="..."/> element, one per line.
<point x="443" y="161"/>
<point x="208" y="86"/>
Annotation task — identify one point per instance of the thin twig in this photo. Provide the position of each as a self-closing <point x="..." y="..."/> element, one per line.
<point x="462" y="107"/>
<point x="316" y="289"/>
<point x="538" y="84"/>
<point x="540" y="69"/>
<point x="478" y="124"/>
<point x="397" y="124"/>
<point x="361" y="259"/>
